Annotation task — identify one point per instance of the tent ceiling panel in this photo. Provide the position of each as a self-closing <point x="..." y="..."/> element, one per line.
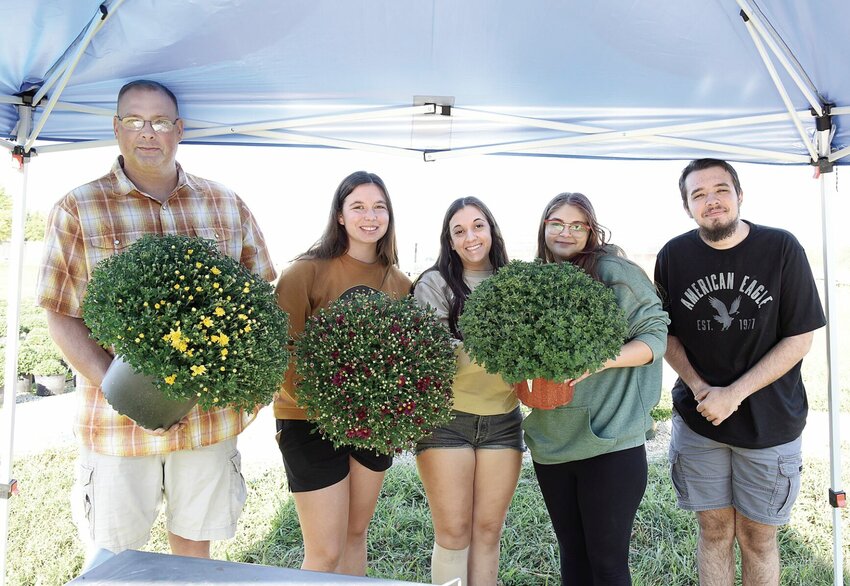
<point x="606" y="64"/>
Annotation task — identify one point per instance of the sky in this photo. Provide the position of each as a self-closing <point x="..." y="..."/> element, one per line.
<point x="289" y="190"/>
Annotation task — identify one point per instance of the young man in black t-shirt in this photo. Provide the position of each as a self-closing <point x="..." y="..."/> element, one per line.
<point x="743" y="309"/>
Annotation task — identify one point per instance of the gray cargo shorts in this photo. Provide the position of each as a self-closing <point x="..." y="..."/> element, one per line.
<point x="762" y="484"/>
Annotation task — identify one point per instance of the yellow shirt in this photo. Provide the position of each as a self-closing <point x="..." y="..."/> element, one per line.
<point x="475" y="390"/>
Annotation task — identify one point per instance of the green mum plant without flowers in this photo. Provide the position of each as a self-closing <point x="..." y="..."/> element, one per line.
<point x="194" y="319"/>
<point x="375" y="373"/>
<point x="550" y="321"/>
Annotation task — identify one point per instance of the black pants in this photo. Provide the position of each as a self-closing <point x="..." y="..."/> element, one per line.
<point x="592" y="504"/>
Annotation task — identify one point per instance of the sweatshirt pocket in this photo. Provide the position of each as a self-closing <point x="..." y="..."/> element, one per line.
<point x="563" y="435"/>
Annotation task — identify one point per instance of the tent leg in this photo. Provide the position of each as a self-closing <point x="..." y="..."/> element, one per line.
<point x="828" y="184"/>
<point x="11" y="369"/>
<point x="16" y="259"/>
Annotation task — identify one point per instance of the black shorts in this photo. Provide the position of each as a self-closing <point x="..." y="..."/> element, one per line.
<point x="312" y="462"/>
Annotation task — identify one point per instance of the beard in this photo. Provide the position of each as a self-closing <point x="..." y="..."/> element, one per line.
<point x="720" y="231"/>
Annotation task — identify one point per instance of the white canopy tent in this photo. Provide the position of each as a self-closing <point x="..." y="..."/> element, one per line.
<point x="749" y="81"/>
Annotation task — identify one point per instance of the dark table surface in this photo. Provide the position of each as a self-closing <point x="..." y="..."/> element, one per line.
<point x="139" y="568"/>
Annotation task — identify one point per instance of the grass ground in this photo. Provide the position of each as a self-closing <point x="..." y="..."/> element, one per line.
<point x="44" y="549"/>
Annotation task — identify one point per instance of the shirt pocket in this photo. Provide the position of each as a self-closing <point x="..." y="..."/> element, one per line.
<point x="224" y="239"/>
<point x="106" y="244"/>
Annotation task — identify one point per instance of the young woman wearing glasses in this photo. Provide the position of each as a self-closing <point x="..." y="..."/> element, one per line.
<point x="589" y="455"/>
<point x="470" y="467"/>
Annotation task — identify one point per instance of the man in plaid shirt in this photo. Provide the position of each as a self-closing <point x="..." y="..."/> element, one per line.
<point x="126" y="471"/>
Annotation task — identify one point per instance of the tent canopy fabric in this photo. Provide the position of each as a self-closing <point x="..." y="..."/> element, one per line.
<point x="637" y="80"/>
<point x="760" y="81"/>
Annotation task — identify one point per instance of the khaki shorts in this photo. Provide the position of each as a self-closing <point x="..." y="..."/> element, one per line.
<point x="116" y="499"/>
<point x="762" y="484"/>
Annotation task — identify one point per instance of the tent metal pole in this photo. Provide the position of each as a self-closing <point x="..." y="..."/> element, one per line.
<point x="75" y="146"/>
<point x="470" y="113"/>
<point x="785" y="57"/>
<point x="93" y="27"/>
<point x="786" y="99"/>
<point x="310" y="121"/>
<point x="60" y="67"/>
<point x="828" y="191"/>
<point x="828" y="195"/>
<point x="10" y="375"/>
<point x="643" y="135"/>
<point x="298" y="138"/>
<point x="70" y="57"/>
<point x="458" y="112"/>
<point x="839" y="154"/>
<point x="7" y="144"/>
<point x="71" y="107"/>
<point x="776" y="156"/>
<point x="294" y="137"/>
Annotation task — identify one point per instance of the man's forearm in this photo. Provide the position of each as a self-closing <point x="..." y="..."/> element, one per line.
<point x="678" y="361"/>
<point x="82" y="353"/>
<point x="781" y="358"/>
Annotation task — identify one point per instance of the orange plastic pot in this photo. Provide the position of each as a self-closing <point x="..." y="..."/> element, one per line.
<point x="543" y="394"/>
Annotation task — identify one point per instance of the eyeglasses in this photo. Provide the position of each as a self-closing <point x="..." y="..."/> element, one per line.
<point x="135" y="124"/>
<point x="555" y="227"/>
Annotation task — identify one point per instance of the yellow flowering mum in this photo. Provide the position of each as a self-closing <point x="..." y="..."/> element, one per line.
<point x="177" y="339"/>
<point x="222" y="339"/>
<point x="198" y="369"/>
<point x="219" y="311"/>
<point x="169" y="380"/>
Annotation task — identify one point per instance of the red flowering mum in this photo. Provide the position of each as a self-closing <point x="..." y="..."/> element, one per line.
<point x="376" y="373"/>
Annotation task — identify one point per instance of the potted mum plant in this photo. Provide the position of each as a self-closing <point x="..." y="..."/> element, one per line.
<point x="51" y="375"/>
<point x="542" y="322"/>
<point x="23" y="383"/>
<point x="40" y="357"/>
<point x="375" y="373"/>
<point x="187" y="324"/>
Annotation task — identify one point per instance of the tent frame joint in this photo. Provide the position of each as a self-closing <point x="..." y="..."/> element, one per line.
<point x="22" y="156"/>
<point x="28" y="95"/>
<point x="440" y="109"/>
<point x="823" y="122"/>
<point x="824" y="165"/>
<point x="10" y="489"/>
<point x="838" y="499"/>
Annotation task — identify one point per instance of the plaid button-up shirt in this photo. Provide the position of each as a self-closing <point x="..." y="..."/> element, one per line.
<point x="102" y="218"/>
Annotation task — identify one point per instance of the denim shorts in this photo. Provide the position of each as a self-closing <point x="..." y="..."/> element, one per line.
<point x="479" y="432"/>
<point x="762" y="484"/>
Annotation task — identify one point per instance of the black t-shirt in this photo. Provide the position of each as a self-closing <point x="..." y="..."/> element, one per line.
<point x="729" y="308"/>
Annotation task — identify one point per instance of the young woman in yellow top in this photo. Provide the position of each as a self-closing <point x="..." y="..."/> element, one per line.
<point x="469" y="467"/>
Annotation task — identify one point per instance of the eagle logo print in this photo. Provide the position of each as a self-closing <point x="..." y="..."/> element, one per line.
<point x="724" y="316"/>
